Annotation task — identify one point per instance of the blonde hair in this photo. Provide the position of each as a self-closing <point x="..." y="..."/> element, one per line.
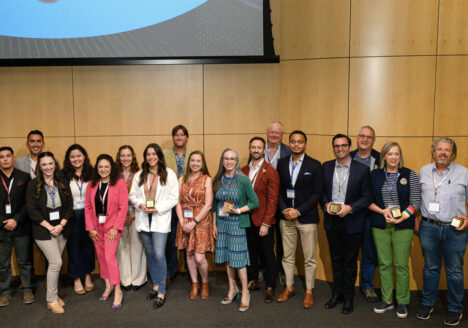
<point x="385" y="149"/>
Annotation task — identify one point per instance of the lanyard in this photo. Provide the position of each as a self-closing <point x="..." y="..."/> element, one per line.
<point x="340" y="181"/>
<point x="80" y="187"/>
<point x="225" y="188"/>
<point x="390" y="185"/>
<point x="103" y="198"/>
<point x="293" y="167"/>
<point x="272" y="159"/>
<point x="436" y="186"/>
<point x="51" y="195"/>
<point x="9" y="188"/>
<point x="152" y="183"/>
<point x="129" y="177"/>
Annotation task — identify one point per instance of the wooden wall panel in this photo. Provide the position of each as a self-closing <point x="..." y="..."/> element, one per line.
<point x="393" y="27"/>
<point x="453" y="29"/>
<point x="451" y="110"/>
<point x="137" y="100"/>
<point x="240" y="98"/>
<point x="36" y="98"/>
<point x="314" y="28"/>
<point x="392" y="95"/>
<point x="314" y="95"/>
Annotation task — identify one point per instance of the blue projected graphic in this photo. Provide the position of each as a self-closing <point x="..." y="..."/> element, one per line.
<point x="59" y="19"/>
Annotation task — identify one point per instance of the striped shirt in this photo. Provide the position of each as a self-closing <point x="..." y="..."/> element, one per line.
<point x="391" y="184"/>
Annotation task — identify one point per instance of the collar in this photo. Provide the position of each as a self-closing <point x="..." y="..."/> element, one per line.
<point x="257" y="167"/>
<point x="448" y="168"/>
<point x="348" y="163"/>
<point x="299" y="160"/>
<point x="276" y="148"/>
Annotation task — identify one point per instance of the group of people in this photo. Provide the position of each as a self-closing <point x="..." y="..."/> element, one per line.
<point x="137" y="218"/>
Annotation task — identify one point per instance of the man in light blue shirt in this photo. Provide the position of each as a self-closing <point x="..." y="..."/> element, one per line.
<point x="444" y="194"/>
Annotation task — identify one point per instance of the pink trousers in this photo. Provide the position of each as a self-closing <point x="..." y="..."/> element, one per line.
<point x="107" y="256"/>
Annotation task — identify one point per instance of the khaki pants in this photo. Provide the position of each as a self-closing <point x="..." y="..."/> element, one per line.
<point x="53" y="250"/>
<point x="308" y="233"/>
<point x="131" y="257"/>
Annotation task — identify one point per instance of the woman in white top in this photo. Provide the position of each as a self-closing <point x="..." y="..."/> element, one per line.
<point x="155" y="192"/>
<point x="78" y="170"/>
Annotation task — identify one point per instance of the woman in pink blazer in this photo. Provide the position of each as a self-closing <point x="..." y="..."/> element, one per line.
<point x="105" y="212"/>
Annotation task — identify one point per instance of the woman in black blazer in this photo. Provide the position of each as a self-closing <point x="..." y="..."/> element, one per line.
<point x="50" y="207"/>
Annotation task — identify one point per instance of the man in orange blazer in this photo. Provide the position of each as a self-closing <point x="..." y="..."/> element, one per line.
<point x="260" y="236"/>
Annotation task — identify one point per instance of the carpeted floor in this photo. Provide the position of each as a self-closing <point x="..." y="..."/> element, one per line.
<point x="180" y="311"/>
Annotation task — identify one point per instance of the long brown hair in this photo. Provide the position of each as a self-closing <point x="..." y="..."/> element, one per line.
<point x="58" y="179"/>
<point x="188" y="170"/>
<point x="162" y="172"/>
<point x="133" y="167"/>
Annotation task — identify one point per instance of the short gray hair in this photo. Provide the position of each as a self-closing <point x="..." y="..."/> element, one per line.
<point x="447" y="140"/>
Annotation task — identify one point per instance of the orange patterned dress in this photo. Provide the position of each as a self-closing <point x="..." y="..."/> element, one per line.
<point x="200" y="239"/>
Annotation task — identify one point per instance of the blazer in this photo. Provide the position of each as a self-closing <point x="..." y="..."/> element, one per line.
<point x="166" y="198"/>
<point x="307" y="190"/>
<point x="18" y="205"/>
<point x="38" y="211"/>
<point x="169" y="157"/>
<point x="117" y="205"/>
<point x="24" y="164"/>
<point x="358" y="195"/>
<point x="267" y="189"/>
<point x="247" y="197"/>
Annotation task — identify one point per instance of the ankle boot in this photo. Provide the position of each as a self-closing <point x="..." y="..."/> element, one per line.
<point x="205" y="290"/>
<point x="194" y="290"/>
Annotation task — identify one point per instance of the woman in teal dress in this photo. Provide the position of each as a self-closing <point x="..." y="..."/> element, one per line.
<point x="234" y="198"/>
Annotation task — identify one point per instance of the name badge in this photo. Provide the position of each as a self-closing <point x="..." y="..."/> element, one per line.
<point x="222" y="213"/>
<point x="150" y="203"/>
<point x="290" y="193"/>
<point x="80" y="204"/>
<point x="54" y="216"/>
<point x="188" y="214"/>
<point x="8" y="209"/>
<point x="434" y="207"/>
<point x="102" y="218"/>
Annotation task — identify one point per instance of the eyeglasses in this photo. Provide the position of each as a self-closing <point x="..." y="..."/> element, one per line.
<point x="366" y="137"/>
<point x="229" y="159"/>
<point x="341" y="146"/>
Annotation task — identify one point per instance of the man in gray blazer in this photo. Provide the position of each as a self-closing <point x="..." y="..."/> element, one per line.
<point x="35" y="143"/>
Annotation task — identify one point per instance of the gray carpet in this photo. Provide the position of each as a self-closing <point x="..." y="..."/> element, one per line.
<point x="180" y="311"/>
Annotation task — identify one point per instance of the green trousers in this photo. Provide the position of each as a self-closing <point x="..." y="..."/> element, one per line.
<point x="393" y="246"/>
<point x="21" y="244"/>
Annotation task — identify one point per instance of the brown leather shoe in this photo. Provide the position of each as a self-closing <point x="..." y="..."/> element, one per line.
<point x="55" y="308"/>
<point x="61" y="302"/>
<point x="205" y="290"/>
<point x="194" y="291"/>
<point x="286" y="294"/>
<point x="28" y="297"/>
<point x="270" y="295"/>
<point x="253" y="285"/>
<point x="308" y="299"/>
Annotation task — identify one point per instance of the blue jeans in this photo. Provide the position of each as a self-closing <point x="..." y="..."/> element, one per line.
<point x="155" y="250"/>
<point x="369" y="260"/>
<point x="443" y="242"/>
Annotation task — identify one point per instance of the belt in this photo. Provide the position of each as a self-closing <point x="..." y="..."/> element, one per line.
<point x="437" y="223"/>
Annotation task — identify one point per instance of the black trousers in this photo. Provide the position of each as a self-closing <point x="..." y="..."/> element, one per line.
<point x="262" y="247"/>
<point x="80" y="247"/>
<point x="344" y="251"/>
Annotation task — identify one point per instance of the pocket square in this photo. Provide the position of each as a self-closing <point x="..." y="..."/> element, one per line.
<point x="307" y="173"/>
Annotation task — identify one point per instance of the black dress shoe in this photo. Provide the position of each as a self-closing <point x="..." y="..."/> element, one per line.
<point x="152" y="295"/>
<point x="347" y="307"/>
<point x="135" y="288"/>
<point x="126" y="288"/>
<point x="158" y="302"/>
<point x="333" y="302"/>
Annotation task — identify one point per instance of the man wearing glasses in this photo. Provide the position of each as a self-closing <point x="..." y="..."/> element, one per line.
<point x="346" y="196"/>
<point x="368" y="156"/>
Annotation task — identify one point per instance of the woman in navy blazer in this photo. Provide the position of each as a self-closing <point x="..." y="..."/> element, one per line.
<point x="105" y="212"/>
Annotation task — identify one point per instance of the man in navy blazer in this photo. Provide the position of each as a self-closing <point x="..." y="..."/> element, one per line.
<point x="347" y="194"/>
<point x="300" y="193"/>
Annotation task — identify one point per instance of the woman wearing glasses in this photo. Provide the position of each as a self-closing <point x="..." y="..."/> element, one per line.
<point x="234" y="198"/>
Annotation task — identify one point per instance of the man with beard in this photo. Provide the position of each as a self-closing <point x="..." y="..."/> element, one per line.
<point x="443" y="229"/>
<point x="300" y="193"/>
<point x="260" y="237"/>
<point x="15" y="228"/>
<point x="347" y="194"/>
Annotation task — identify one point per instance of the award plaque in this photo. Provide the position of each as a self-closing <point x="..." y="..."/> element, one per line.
<point x="396" y="212"/>
<point x="334" y="208"/>
<point x="150" y="203"/>
<point x="457" y="222"/>
<point x="228" y="206"/>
